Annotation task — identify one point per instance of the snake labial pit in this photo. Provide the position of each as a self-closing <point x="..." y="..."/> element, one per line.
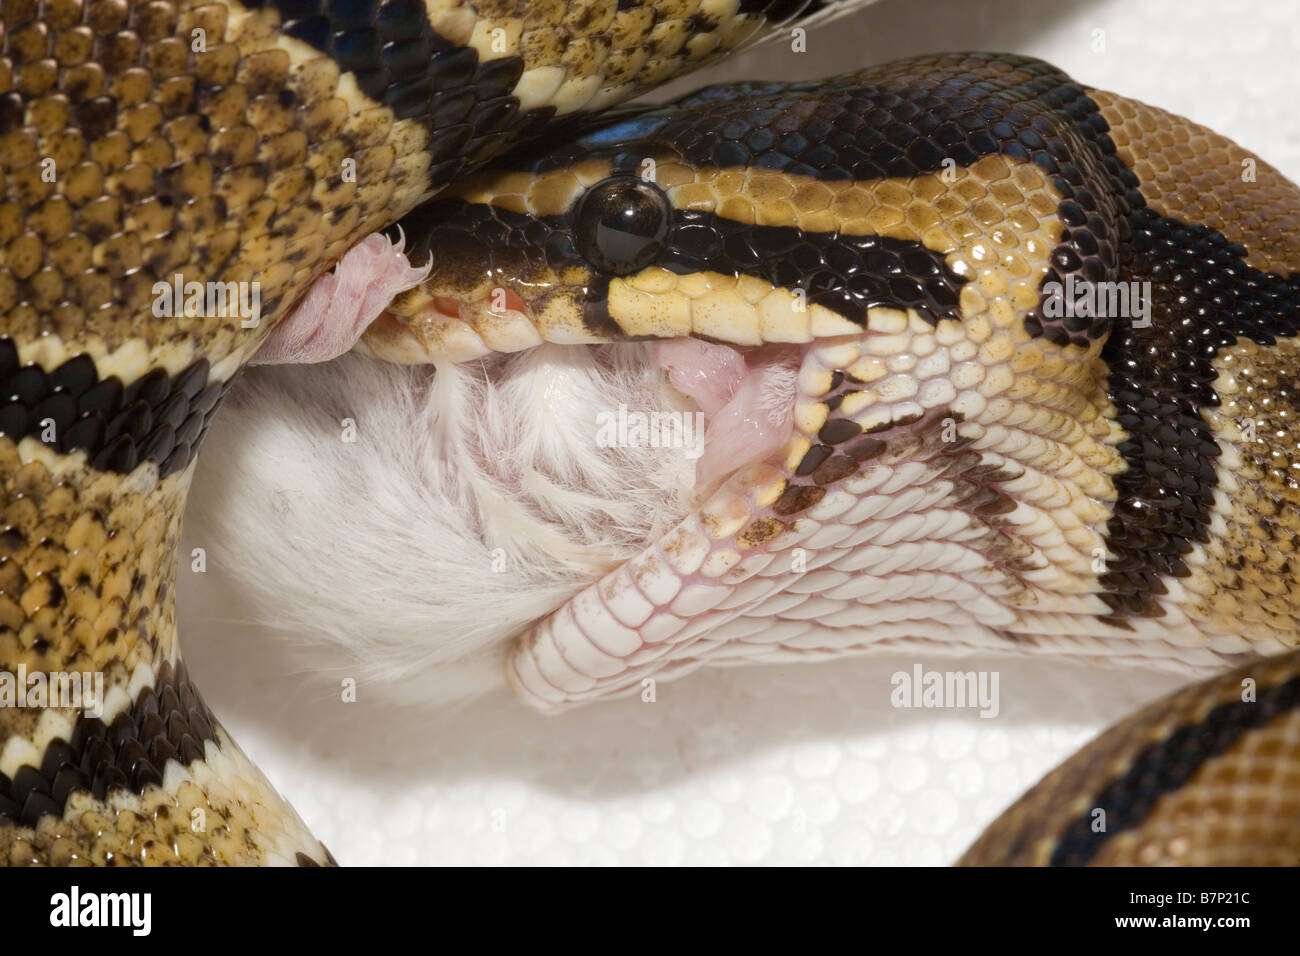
<point x="1024" y="350"/>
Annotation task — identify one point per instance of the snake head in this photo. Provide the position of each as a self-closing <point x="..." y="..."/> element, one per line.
<point x="897" y="228"/>
<point x="768" y="213"/>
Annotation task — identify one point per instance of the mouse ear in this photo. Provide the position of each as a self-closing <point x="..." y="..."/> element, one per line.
<point x="338" y="307"/>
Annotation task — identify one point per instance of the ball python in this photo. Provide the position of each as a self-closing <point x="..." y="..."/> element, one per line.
<point x="966" y="454"/>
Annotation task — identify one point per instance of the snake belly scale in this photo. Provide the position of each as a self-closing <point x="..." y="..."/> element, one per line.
<point x="896" y="231"/>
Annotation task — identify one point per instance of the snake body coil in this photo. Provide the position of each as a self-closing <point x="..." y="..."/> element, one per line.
<point x="971" y="462"/>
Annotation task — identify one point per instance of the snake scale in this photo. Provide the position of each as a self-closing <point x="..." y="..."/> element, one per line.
<point x="967" y="463"/>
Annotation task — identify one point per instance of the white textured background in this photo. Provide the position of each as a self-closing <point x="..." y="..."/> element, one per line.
<point x="800" y="764"/>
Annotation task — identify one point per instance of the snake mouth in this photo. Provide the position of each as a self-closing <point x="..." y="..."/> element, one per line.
<point x="420" y="329"/>
<point x="741" y="399"/>
<point x="745" y="395"/>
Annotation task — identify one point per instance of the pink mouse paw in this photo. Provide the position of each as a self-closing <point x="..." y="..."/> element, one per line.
<point x="341" y="304"/>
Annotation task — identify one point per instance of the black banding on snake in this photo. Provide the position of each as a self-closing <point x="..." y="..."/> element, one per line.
<point x="1163" y="768"/>
<point x="157" y="417"/>
<point x="401" y="62"/>
<point x="1161" y="378"/>
<point x="166" y="722"/>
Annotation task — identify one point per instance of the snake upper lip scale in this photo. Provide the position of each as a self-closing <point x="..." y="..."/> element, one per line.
<point x="983" y="352"/>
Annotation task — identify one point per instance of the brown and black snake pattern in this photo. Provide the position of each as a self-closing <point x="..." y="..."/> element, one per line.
<point x="148" y="142"/>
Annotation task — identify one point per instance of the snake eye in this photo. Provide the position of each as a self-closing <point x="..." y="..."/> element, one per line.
<point x="621" y="224"/>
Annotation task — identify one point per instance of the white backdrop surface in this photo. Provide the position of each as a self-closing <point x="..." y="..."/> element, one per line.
<point x="780" y="765"/>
